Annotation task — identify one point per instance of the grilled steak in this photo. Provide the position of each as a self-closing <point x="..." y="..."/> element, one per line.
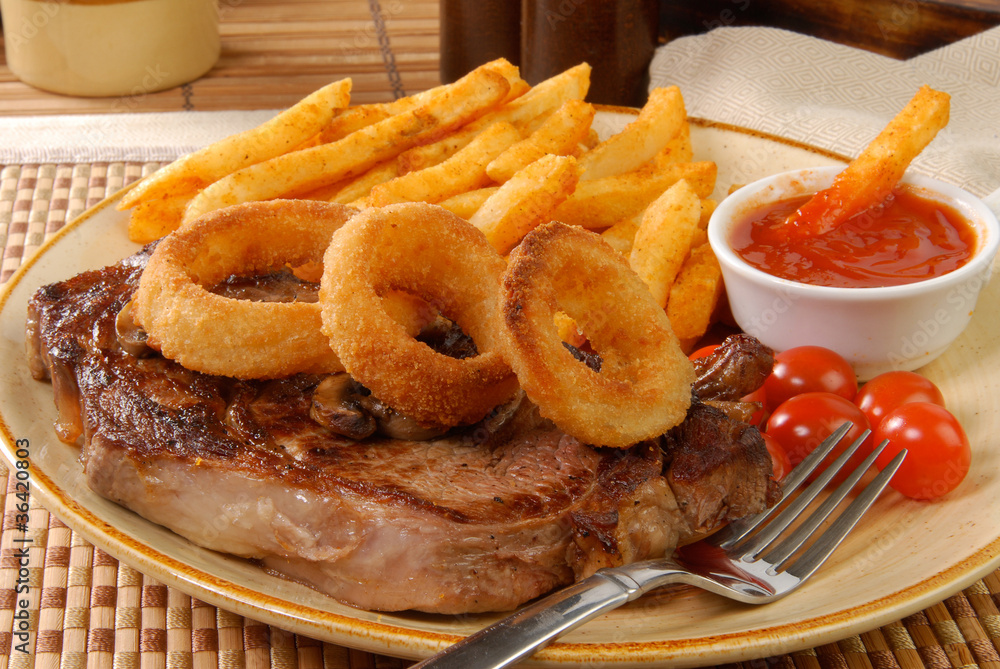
<point x="482" y="518"/>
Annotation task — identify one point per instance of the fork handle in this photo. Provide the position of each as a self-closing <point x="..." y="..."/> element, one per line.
<point x="521" y="634"/>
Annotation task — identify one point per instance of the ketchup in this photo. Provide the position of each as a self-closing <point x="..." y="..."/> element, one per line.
<point x="905" y="239"/>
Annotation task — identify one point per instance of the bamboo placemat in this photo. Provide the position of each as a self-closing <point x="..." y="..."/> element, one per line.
<point x="87" y="610"/>
<point x="276" y="52"/>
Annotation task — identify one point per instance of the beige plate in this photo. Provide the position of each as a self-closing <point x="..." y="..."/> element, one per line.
<point x="905" y="556"/>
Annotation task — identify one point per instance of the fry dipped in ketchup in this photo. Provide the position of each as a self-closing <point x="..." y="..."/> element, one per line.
<point x="871" y="177"/>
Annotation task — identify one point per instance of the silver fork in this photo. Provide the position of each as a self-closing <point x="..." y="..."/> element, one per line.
<point x="744" y="561"/>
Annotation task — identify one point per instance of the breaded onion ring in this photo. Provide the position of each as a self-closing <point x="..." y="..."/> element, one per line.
<point x="427" y="251"/>
<point x="644" y="386"/>
<point x="210" y="333"/>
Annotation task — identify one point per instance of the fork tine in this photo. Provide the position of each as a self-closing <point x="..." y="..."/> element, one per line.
<point x="827" y="542"/>
<point x="739" y="529"/>
<point x="783" y="520"/>
<point x="778" y="555"/>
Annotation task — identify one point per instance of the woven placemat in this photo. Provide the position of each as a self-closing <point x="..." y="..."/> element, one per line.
<point x="85" y="609"/>
<point x="274" y="53"/>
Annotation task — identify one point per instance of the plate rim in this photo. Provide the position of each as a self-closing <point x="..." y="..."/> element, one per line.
<point x="393" y="639"/>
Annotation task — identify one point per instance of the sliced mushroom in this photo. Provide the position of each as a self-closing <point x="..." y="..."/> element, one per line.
<point x="397" y="426"/>
<point x="336" y="406"/>
<point x="131" y="337"/>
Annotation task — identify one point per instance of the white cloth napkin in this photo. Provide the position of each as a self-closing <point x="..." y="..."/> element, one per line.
<point x="838" y="98"/>
<point x="141" y="137"/>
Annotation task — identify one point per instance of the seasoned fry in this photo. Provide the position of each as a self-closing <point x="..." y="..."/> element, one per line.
<point x="663" y="239"/>
<point x="284" y="132"/>
<point x="678" y="149"/>
<point x="560" y="135"/>
<point x="600" y="203"/>
<point x="870" y="177"/>
<point x="468" y="203"/>
<point x="154" y="218"/>
<point x="621" y="235"/>
<point x="659" y="121"/>
<point x="540" y="101"/>
<point x="464" y="171"/>
<point x="301" y="171"/>
<point x="526" y="200"/>
<point x="695" y="294"/>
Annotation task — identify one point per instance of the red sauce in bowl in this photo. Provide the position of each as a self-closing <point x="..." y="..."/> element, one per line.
<point x="906" y="239"/>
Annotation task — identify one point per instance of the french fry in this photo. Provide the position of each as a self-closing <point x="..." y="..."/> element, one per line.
<point x="678" y="149"/>
<point x="151" y="219"/>
<point x="870" y="177"/>
<point x="282" y="133"/>
<point x="301" y="171"/>
<point x="361" y="186"/>
<point x="663" y="239"/>
<point x="541" y="100"/>
<point x="526" y="200"/>
<point x="695" y="294"/>
<point x="560" y="134"/>
<point x="468" y="203"/>
<point x="568" y="330"/>
<point x="600" y="203"/>
<point x="621" y="235"/>
<point x="464" y="171"/>
<point x="659" y="121"/>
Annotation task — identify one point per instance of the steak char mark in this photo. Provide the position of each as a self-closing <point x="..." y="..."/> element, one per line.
<point x="481" y="519"/>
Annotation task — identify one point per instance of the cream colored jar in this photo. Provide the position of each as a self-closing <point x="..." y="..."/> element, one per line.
<point x="110" y="47"/>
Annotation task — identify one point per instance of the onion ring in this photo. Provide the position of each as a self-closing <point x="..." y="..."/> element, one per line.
<point x="644" y="387"/>
<point x="437" y="256"/>
<point x="210" y="333"/>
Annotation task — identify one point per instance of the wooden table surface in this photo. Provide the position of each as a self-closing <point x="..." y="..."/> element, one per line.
<point x="274" y="52"/>
<point x="88" y="610"/>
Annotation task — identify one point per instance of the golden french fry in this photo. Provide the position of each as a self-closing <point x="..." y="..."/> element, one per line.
<point x="152" y="219"/>
<point x="568" y="330"/>
<point x="678" y="149"/>
<point x="870" y="177"/>
<point x="468" y="203"/>
<point x="663" y="239"/>
<point x="659" y="121"/>
<point x="351" y="120"/>
<point x="282" y="133"/>
<point x="560" y="134"/>
<point x="707" y="209"/>
<point x="538" y="102"/>
<point x="464" y="171"/>
<point x="621" y="235"/>
<point x="600" y="203"/>
<point x="301" y="171"/>
<point x="695" y="294"/>
<point x="361" y="186"/>
<point x="526" y="200"/>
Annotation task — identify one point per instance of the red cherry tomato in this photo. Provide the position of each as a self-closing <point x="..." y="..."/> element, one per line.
<point x="703" y="351"/>
<point x="938" y="455"/>
<point x="760" y="415"/>
<point x="780" y="463"/>
<point x="801" y="423"/>
<point x="807" y="369"/>
<point x="890" y="390"/>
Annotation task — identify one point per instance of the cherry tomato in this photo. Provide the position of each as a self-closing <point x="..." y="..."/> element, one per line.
<point x="780" y="463"/>
<point x="760" y="415"/>
<point x="703" y="351"/>
<point x="801" y="423"/>
<point x="887" y="391"/>
<point x="807" y="369"/>
<point x="938" y="455"/>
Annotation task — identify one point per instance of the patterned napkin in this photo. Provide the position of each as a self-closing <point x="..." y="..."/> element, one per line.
<point x="141" y="137"/>
<point x="838" y="98"/>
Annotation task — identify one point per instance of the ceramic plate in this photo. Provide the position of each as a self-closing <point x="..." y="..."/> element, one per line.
<point x="905" y="556"/>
